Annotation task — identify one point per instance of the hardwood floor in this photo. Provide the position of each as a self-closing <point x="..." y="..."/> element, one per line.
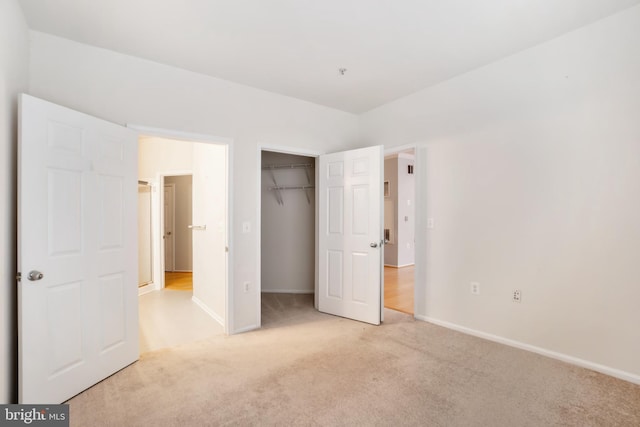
<point x="398" y="288"/>
<point x="178" y="281"/>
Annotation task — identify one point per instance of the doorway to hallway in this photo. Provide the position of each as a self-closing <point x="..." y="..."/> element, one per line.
<point x="399" y="288"/>
<point x="399" y="231"/>
<point x="188" y="297"/>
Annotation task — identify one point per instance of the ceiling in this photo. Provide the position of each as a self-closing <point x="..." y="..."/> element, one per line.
<point x="390" y="48"/>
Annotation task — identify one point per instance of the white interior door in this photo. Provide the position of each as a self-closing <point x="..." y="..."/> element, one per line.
<point x="209" y="229"/>
<point x="77" y="225"/>
<point x="350" y="234"/>
<point x="169" y="225"/>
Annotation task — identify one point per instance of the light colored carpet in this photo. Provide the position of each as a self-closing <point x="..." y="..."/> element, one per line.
<point x="307" y="368"/>
<point x="170" y="318"/>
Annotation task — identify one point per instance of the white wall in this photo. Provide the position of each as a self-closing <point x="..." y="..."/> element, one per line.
<point x="125" y="89"/>
<point x="288" y="230"/>
<point x="209" y="245"/>
<point x="533" y="179"/>
<point x="405" y="211"/>
<point x="183" y="218"/>
<point x="14" y="75"/>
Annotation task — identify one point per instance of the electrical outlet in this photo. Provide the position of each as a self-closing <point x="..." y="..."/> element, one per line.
<point x="517" y="296"/>
<point x="247" y="285"/>
<point x="475" y="288"/>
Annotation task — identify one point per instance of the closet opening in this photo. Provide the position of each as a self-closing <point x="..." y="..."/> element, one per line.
<point x="288" y="236"/>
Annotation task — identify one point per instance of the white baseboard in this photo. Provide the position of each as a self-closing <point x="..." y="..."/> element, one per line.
<point x="149" y="287"/>
<point x="245" y="329"/>
<point x="627" y="376"/>
<point x="287" y="291"/>
<point x="399" y="266"/>
<point x="209" y="311"/>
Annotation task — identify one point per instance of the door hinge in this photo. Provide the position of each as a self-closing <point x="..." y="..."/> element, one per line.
<point x="19" y="276"/>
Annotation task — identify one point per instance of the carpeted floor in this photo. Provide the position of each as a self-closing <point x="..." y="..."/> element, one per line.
<point x="307" y="368"/>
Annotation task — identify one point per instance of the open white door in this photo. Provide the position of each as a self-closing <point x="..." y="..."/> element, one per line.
<point x="210" y="228"/>
<point x="350" y="234"/>
<point x="77" y="251"/>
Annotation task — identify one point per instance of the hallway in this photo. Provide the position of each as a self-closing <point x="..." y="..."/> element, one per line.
<point x="398" y="288"/>
<point x="169" y="318"/>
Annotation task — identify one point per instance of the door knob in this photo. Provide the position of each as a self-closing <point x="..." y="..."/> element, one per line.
<point x="35" y="275"/>
<point x="373" y="245"/>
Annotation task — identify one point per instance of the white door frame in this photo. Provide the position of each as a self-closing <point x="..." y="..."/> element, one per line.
<point x="163" y="260"/>
<point x="420" y="231"/>
<point x="207" y="139"/>
<point x="296" y="152"/>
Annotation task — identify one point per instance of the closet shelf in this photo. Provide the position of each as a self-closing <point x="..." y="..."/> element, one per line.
<point x="278" y="188"/>
<point x="292" y="187"/>
<point x="290" y="166"/>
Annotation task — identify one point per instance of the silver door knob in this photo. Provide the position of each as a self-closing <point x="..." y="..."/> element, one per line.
<point x="373" y="245"/>
<point x="35" y="275"/>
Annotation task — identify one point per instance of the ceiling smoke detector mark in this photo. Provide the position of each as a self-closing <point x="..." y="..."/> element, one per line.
<point x="342" y="71"/>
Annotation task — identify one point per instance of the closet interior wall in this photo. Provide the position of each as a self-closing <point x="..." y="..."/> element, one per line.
<point x="287" y="223"/>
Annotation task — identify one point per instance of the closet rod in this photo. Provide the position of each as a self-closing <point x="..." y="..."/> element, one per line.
<point x="291" y="166"/>
<point x="297" y="187"/>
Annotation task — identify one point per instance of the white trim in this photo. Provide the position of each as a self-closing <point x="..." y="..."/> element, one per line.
<point x="145" y="289"/>
<point x="258" y="228"/>
<point x="400" y="155"/>
<point x="180" y="135"/>
<point x="247" y="329"/>
<point x="288" y="291"/>
<point x="208" y="310"/>
<point x="617" y="373"/>
<point x="400" y="148"/>
<point x="289" y="150"/>
<point x="228" y="291"/>
<point x="173" y="226"/>
<point x="399" y="266"/>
